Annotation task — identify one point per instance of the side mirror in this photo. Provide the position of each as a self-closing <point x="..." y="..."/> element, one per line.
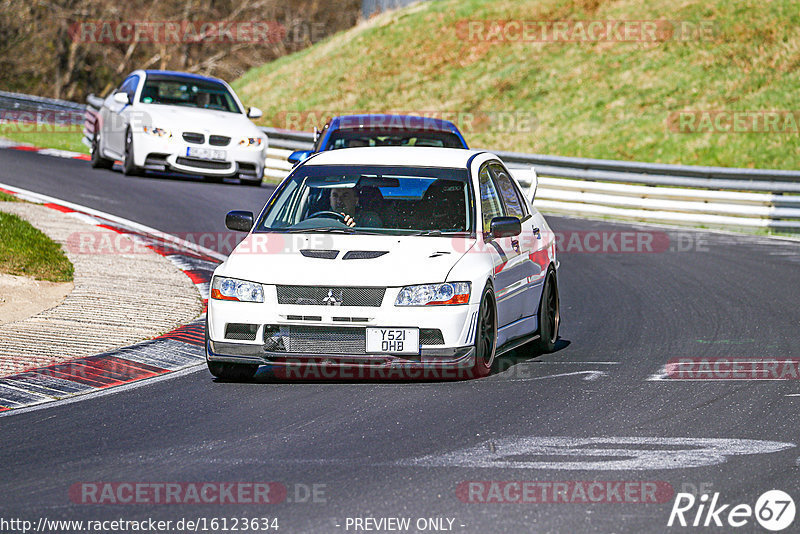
<point x="254" y="113"/>
<point x="241" y="221"/>
<point x="506" y="227"/>
<point x="298" y="155"/>
<point x="122" y="98"/>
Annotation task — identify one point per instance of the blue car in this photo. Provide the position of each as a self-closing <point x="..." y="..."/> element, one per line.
<point x="348" y="131"/>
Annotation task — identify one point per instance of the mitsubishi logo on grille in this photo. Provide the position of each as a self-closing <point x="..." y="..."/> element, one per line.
<point x="332" y="300"/>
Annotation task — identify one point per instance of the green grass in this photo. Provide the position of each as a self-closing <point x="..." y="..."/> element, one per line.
<point x="5" y="197"/>
<point x="25" y="251"/>
<point x="46" y="136"/>
<point x="603" y="100"/>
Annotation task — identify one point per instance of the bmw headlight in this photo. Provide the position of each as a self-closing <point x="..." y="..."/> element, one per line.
<point x="434" y="294"/>
<point x="233" y="289"/>
<point x="250" y="142"/>
<point x="157" y="132"/>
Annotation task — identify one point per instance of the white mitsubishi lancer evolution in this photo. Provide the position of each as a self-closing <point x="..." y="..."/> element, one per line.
<point x="404" y="262"/>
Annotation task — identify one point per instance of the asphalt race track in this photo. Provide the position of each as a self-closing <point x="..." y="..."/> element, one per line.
<point x="598" y="409"/>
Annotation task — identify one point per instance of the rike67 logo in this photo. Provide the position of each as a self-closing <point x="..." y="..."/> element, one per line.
<point x="774" y="511"/>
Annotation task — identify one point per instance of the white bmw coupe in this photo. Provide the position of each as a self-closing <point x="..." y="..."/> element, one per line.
<point x="397" y="262"/>
<point x="176" y="121"/>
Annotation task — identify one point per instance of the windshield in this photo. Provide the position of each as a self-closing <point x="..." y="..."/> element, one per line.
<point x="371" y="199"/>
<point x="179" y="91"/>
<point x="396" y="137"/>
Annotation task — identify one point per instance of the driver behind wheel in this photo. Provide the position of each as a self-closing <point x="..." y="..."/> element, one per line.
<point x="345" y="200"/>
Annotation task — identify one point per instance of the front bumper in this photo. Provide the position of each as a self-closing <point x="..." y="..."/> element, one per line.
<point x="334" y="336"/>
<point x="155" y="153"/>
<point x="439" y="363"/>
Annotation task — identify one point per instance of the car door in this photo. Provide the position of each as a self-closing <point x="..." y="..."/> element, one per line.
<point x="115" y="116"/>
<point x="506" y="275"/>
<point x="528" y="270"/>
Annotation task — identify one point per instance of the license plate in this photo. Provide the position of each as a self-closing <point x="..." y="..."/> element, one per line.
<point x="205" y="153"/>
<point x="393" y="340"/>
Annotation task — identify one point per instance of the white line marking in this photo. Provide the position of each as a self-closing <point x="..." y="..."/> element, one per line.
<point x="590" y="375"/>
<point x="567" y="363"/>
<point x="598" y="453"/>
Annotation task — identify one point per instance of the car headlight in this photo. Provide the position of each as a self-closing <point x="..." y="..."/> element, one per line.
<point x="157" y="132"/>
<point x="250" y="141"/>
<point x="233" y="289"/>
<point x="434" y="294"/>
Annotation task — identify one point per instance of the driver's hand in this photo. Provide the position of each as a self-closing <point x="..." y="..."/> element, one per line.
<point x="348" y="220"/>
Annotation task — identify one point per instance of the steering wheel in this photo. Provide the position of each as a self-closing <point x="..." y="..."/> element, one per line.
<point x="328" y="214"/>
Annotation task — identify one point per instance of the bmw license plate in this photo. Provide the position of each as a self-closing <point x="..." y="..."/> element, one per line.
<point x="393" y="340"/>
<point x="205" y="153"/>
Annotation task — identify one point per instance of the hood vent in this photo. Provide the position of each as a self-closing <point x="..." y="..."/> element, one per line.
<point x="364" y="254"/>
<point x="322" y="254"/>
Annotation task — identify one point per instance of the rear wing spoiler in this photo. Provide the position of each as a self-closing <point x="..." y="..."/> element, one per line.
<point x="527" y="177"/>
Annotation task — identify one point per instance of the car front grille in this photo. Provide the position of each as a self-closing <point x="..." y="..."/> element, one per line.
<point x="329" y="339"/>
<point x="331" y="296"/>
<point x="194" y="137"/>
<point x="203" y="163"/>
<point x="315" y="339"/>
<point x="218" y="140"/>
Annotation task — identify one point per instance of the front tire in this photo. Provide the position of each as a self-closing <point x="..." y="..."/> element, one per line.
<point x="232" y="371"/>
<point x="485" y="335"/>
<point x="129" y="168"/>
<point x="98" y="161"/>
<point x="549" y="314"/>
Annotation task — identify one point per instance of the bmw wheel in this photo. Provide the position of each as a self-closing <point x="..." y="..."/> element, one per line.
<point x="98" y="161"/>
<point x="129" y="168"/>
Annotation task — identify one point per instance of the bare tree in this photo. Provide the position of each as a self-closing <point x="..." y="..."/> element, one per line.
<point x="56" y="47"/>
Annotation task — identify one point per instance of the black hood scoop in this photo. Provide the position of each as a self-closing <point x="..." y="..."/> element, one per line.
<point x="322" y="254"/>
<point x="364" y="254"/>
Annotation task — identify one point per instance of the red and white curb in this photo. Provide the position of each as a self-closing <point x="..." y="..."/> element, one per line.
<point x="25" y="147"/>
<point x="177" y="350"/>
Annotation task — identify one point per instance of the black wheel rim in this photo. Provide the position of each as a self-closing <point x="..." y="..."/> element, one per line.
<point x="552" y="311"/>
<point x="128" y="143"/>
<point x="486" y="334"/>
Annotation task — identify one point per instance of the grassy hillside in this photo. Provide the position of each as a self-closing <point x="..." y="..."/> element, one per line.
<point x="596" y="99"/>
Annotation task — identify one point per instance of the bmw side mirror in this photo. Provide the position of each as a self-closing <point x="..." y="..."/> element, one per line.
<point x="298" y="155"/>
<point x="254" y="113"/>
<point x="122" y="98"/>
<point x="241" y="221"/>
<point x="506" y="227"/>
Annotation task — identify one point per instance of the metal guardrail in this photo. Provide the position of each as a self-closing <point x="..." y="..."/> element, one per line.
<point x="711" y="196"/>
<point x="682" y="194"/>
